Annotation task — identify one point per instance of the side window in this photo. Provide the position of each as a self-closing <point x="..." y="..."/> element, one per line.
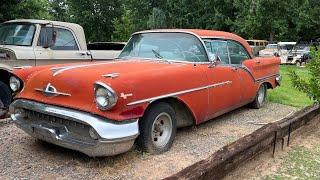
<point x="237" y="52"/>
<point x="219" y="48"/>
<point x="64" y="39"/>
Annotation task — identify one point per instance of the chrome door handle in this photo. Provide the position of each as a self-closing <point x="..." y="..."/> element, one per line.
<point x="258" y="62"/>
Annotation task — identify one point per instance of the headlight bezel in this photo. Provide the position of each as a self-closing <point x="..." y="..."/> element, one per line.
<point x="111" y="96"/>
<point x="15" y="84"/>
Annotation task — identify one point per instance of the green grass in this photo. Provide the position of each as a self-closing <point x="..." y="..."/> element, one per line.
<point x="286" y="94"/>
<point x="301" y="163"/>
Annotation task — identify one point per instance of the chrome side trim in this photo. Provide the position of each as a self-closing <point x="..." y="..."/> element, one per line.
<point x="21" y="67"/>
<point x="59" y="70"/>
<point x="267" y="77"/>
<point x="179" y="93"/>
<point x="259" y="79"/>
<point x="248" y="71"/>
<point x="111" y="75"/>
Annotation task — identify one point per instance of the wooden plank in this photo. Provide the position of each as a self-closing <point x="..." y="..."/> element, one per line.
<point x="231" y="156"/>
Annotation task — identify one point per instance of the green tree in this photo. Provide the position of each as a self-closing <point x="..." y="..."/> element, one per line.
<point x="157" y="20"/>
<point x="96" y="17"/>
<point x="310" y="86"/>
<point x="123" y="26"/>
<point x="26" y="9"/>
<point x="59" y="9"/>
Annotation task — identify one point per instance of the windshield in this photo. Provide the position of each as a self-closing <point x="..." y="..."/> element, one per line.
<point x="16" y="34"/>
<point x="302" y="47"/>
<point x="167" y="46"/>
<point x="271" y="46"/>
<point x="286" y="47"/>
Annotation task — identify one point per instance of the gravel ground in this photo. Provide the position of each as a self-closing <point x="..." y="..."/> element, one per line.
<point x="25" y="157"/>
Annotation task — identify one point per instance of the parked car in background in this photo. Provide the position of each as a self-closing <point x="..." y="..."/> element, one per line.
<point x="162" y="80"/>
<point x="269" y="51"/>
<point x="29" y="42"/>
<point x="300" y="54"/>
<point x="257" y="45"/>
<point x="285" y="51"/>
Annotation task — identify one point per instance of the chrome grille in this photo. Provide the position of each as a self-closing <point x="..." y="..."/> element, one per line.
<point x="78" y="130"/>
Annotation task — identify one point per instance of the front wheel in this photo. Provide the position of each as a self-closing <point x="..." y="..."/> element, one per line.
<point x="261" y="97"/>
<point x="157" y="129"/>
<point x="5" y="99"/>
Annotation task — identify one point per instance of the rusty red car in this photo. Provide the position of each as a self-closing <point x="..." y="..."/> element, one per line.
<point x="161" y="81"/>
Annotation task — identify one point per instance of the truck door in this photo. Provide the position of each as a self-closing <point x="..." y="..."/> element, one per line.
<point x="59" y="45"/>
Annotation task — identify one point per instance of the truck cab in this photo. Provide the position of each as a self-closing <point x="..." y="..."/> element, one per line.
<point x="30" y="42"/>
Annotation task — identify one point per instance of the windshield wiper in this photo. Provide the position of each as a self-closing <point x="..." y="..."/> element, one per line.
<point x="159" y="56"/>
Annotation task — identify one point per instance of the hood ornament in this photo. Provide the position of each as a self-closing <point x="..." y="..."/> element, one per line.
<point x="50" y="91"/>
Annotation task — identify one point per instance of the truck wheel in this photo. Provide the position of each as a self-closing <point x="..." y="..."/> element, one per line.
<point x="298" y="63"/>
<point x="5" y="99"/>
<point x="157" y="129"/>
<point x="261" y="97"/>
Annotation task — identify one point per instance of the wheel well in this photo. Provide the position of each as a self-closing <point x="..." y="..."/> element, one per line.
<point x="4" y="76"/>
<point x="184" y="116"/>
<point x="269" y="85"/>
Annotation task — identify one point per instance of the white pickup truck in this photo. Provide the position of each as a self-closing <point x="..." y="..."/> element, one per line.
<point x="29" y="42"/>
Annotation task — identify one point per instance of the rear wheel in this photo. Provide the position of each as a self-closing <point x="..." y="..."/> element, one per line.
<point x="298" y="63"/>
<point x="157" y="129"/>
<point x="5" y="99"/>
<point x="261" y="97"/>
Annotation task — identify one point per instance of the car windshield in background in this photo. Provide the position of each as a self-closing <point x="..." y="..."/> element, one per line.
<point x="166" y="46"/>
<point x="271" y="46"/>
<point x="302" y="47"/>
<point x="16" y="34"/>
<point x="286" y="47"/>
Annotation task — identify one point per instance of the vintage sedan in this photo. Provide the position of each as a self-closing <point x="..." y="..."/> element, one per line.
<point x="162" y="80"/>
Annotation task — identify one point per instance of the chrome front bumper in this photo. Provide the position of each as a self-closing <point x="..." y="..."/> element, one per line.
<point x="278" y="79"/>
<point x="80" y="131"/>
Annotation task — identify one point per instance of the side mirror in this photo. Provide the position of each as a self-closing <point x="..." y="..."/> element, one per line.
<point x="276" y="54"/>
<point x="50" y="36"/>
<point x="214" y="60"/>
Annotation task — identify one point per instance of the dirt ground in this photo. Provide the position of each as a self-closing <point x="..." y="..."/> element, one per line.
<point x="265" y="166"/>
<point x="22" y="156"/>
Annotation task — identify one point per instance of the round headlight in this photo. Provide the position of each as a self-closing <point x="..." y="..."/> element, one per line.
<point x="105" y="97"/>
<point x="15" y="84"/>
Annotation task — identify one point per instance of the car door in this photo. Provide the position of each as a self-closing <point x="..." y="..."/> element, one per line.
<point x="245" y="67"/>
<point x="64" y="48"/>
<point x="224" y="91"/>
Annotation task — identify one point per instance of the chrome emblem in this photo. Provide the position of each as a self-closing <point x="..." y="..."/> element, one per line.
<point x="50" y="90"/>
<point x="125" y="96"/>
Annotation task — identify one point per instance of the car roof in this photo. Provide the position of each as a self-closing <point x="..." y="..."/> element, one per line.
<point x="205" y="34"/>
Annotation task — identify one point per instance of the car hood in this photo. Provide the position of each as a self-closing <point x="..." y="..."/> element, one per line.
<point x="76" y="81"/>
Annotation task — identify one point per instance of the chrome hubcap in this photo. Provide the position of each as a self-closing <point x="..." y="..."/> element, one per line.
<point x="261" y="95"/>
<point x="161" y="130"/>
